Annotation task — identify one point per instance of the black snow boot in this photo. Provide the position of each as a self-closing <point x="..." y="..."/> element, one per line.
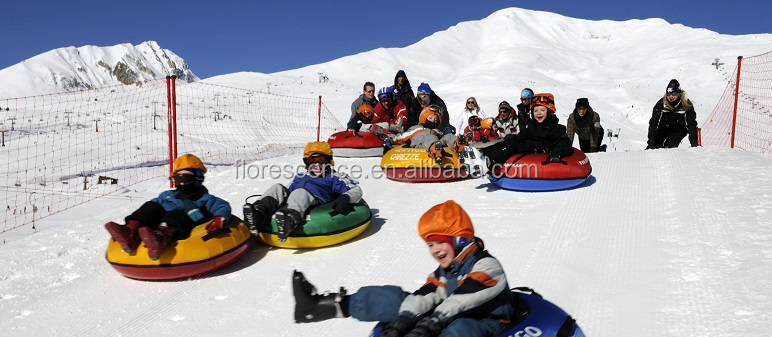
<point x="257" y="215"/>
<point x="311" y="306"/>
<point x="287" y="220"/>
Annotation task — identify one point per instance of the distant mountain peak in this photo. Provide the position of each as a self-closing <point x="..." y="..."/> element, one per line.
<point x="86" y="67"/>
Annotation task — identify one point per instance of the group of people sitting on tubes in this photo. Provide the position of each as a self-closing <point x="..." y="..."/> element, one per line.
<point x="399" y="117"/>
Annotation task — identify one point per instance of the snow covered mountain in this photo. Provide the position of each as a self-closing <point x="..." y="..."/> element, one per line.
<point x="623" y="67"/>
<point x="71" y="68"/>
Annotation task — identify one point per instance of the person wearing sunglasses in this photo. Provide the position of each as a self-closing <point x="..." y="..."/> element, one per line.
<point x="402" y="90"/>
<point x="524" y="108"/>
<point x="367" y="97"/>
<point x="320" y="184"/>
<point x="471" y="108"/>
<point x="585" y="123"/>
<point x="543" y="135"/>
<point x="672" y="118"/>
<point x="174" y="213"/>
<point x="506" y="122"/>
<point x="426" y="97"/>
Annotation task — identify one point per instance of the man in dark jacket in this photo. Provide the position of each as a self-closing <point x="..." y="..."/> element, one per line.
<point x="524" y="109"/>
<point x="585" y="123"/>
<point x="672" y="118"/>
<point x="367" y="97"/>
<point x="427" y="97"/>
<point x="543" y="135"/>
<point x="402" y="90"/>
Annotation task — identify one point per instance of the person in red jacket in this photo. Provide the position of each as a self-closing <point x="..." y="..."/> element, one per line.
<point x="476" y="133"/>
<point x="391" y="110"/>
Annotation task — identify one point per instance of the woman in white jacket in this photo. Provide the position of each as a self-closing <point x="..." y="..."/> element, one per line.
<point x="470" y="109"/>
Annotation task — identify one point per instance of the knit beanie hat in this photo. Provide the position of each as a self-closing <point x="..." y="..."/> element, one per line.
<point x="673" y="86"/>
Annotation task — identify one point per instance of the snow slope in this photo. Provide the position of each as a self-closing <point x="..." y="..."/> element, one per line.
<point x="664" y="242"/>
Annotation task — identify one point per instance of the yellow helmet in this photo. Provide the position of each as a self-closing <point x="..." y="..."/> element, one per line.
<point x="322" y="148"/>
<point x="187" y="161"/>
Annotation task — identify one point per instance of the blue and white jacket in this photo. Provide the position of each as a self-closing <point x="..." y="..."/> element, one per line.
<point x="208" y="204"/>
<point x="327" y="187"/>
<point x="474" y="285"/>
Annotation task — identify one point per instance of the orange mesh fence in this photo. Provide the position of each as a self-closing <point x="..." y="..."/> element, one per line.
<point x="751" y="127"/>
<point x="61" y="150"/>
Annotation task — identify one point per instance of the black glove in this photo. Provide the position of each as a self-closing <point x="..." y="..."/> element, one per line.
<point x="340" y="204"/>
<point x="484" y="138"/>
<point x="398" y="327"/>
<point x="427" y="327"/>
<point x="553" y="158"/>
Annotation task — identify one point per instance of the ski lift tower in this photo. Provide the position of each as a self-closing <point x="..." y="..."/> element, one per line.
<point x="717" y="63"/>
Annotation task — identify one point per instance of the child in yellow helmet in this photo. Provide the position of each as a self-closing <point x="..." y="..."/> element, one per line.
<point x="319" y="185"/>
<point x="174" y="213"/>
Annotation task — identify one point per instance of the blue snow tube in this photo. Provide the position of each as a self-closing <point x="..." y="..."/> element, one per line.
<point x="534" y="316"/>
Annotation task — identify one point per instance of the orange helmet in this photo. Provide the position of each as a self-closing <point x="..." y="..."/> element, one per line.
<point x="487" y="123"/>
<point x="430" y="110"/>
<point x="447" y="219"/>
<point x="545" y="100"/>
<point x="365" y="110"/>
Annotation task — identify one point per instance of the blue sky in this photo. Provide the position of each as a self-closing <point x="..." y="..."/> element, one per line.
<point x="267" y="36"/>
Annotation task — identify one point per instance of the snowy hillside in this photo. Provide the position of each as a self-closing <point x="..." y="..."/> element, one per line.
<point x="71" y="69"/>
<point x="663" y="243"/>
<point x="658" y="243"/>
<point x="622" y="67"/>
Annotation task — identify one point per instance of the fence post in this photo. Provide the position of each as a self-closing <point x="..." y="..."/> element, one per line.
<point x="319" y="120"/>
<point x="736" y="97"/>
<point x="174" y="112"/>
<point x="169" y="126"/>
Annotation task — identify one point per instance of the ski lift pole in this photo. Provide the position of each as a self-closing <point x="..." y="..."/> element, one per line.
<point x="169" y="125"/>
<point x="319" y="119"/>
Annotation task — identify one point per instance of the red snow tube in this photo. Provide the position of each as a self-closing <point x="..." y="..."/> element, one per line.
<point x="360" y="144"/>
<point x="528" y="172"/>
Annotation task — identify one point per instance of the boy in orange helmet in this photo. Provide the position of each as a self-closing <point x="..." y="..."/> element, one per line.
<point x="467" y="295"/>
<point x="174" y="213"/>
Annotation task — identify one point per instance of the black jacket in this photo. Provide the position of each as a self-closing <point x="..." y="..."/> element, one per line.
<point x="416" y="108"/>
<point x="666" y="119"/>
<point x="405" y="92"/>
<point x="523" y="116"/>
<point x="546" y="137"/>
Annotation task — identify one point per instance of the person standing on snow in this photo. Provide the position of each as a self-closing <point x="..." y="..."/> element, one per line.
<point x="425" y="98"/>
<point x="672" y="118"/>
<point x="585" y="123"/>
<point x="367" y="97"/>
<point x="471" y="109"/>
<point x="320" y="184"/>
<point x="174" y="213"/>
<point x="402" y="90"/>
<point x="467" y="295"/>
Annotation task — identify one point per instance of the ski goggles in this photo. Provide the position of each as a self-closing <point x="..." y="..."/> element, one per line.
<point x="183" y="179"/>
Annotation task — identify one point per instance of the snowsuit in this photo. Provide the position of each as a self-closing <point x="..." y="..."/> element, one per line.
<point x="546" y="137"/>
<point x="181" y="211"/>
<point x="471" y="297"/>
<point x="421" y="137"/>
<point x="307" y="190"/>
<point x="362" y="99"/>
<point x="396" y="116"/>
<point x="669" y="124"/>
<point x="463" y="120"/>
<point x="483" y="135"/>
<point x="403" y="93"/>
<point x="587" y="128"/>
<point x="416" y="109"/>
<point x="523" y="116"/>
